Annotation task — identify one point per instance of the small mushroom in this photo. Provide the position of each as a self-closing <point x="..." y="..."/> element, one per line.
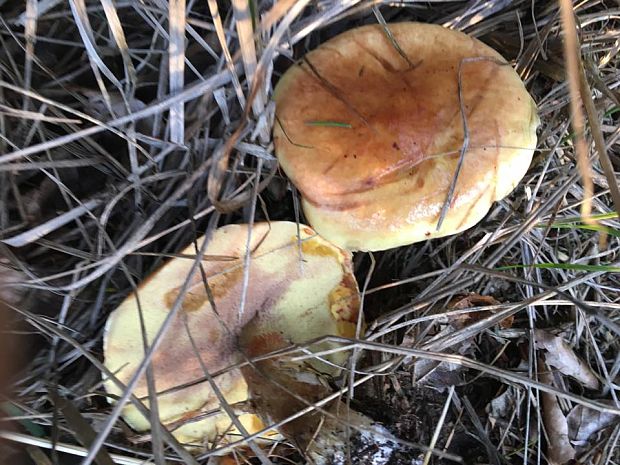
<point x="370" y="127"/>
<point x="299" y="288"/>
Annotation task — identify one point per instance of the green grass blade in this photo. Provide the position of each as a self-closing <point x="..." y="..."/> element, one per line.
<point x="326" y="123"/>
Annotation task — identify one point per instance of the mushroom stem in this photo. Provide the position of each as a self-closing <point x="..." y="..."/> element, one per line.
<point x="327" y="435"/>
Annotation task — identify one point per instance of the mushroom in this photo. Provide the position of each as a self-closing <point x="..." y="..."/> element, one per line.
<point x="300" y="288"/>
<point x="370" y="127"/>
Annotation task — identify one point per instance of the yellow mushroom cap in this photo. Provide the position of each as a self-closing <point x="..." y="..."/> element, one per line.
<point x="372" y="139"/>
<point x="298" y="290"/>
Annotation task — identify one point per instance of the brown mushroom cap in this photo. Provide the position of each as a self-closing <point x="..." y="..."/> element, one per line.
<point x="294" y="294"/>
<point x="372" y="143"/>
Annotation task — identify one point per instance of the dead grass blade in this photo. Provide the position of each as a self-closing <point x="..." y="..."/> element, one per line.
<point x="34" y="234"/>
<point x="572" y="54"/>
<point x="176" y="67"/>
<point x="559" y="448"/>
<point x="440" y="423"/>
<point x="221" y="36"/>
<point x="63" y="447"/>
<point x="30" y="30"/>
<point x="277" y="11"/>
<point x="80" y="14"/>
<point x="599" y="139"/>
<point x="80" y="426"/>
<point x="244" y="22"/>
<point x="189" y="93"/>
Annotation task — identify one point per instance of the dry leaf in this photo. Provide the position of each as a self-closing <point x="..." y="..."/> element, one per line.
<point x="560" y="356"/>
<point x="442" y="375"/>
<point x="501" y="407"/>
<point x="472" y="300"/>
<point x="559" y="448"/>
<point x="584" y="422"/>
<point x="475" y="300"/>
<point x="98" y="107"/>
<point x="439" y="376"/>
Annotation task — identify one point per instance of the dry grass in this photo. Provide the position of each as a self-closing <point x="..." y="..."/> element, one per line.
<point x="120" y="143"/>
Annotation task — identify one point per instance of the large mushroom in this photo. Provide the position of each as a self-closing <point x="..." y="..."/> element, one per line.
<point x="300" y="287"/>
<point x="370" y="127"/>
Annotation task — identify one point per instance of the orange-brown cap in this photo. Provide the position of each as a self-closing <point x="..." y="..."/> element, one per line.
<point x="297" y="291"/>
<point x="371" y="139"/>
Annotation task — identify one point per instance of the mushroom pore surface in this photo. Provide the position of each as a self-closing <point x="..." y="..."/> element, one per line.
<point x="297" y="291"/>
<point x="372" y="140"/>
